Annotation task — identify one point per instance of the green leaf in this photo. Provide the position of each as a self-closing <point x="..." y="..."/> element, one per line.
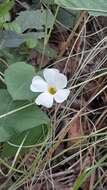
<point x="32" y="136"/>
<point x="31" y="19"/>
<point x="11" y="26"/>
<point x="31" y="43"/>
<point x="5" y="7"/>
<point x="33" y="35"/>
<point x="94" y="7"/>
<point x="18" y="116"/>
<point x="67" y="18"/>
<point x="11" y="56"/>
<point x="47" y="51"/>
<point x="18" y="78"/>
<point x="31" y="38"/>
<point x="5" y="18"/>
<point x="10" y="39"/>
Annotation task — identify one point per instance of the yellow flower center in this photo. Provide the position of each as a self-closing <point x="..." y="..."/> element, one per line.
<point x="52" y="90"/>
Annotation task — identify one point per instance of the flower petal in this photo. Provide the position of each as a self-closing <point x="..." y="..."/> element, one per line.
<point x="45" y="99"/>
<point x="38" y="84"/>
<point x="54" y="78"/>
<point x="48" y="72"/>
<point x="61" y="95"/>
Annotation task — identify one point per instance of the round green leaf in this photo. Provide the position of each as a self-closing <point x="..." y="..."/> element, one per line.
<point x="18" y="78"/>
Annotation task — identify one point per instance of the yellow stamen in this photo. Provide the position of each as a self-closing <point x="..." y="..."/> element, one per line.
<point x="52" y="90"/>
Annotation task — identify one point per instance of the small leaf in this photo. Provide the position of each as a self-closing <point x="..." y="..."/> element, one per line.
<point x="5" y="7"/>
<point x="31" y="19"/>
<point x="10" y="39"/>
<point x="18" y="78"/>
<point x="12" y="26"/>
<point x="18" y="116"/>
<point x="31" y="43"/>
<point x="31" y="38"/>
<point x="5" y="18"/>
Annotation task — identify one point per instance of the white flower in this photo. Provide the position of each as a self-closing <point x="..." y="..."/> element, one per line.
<point x="52" y="88"/>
